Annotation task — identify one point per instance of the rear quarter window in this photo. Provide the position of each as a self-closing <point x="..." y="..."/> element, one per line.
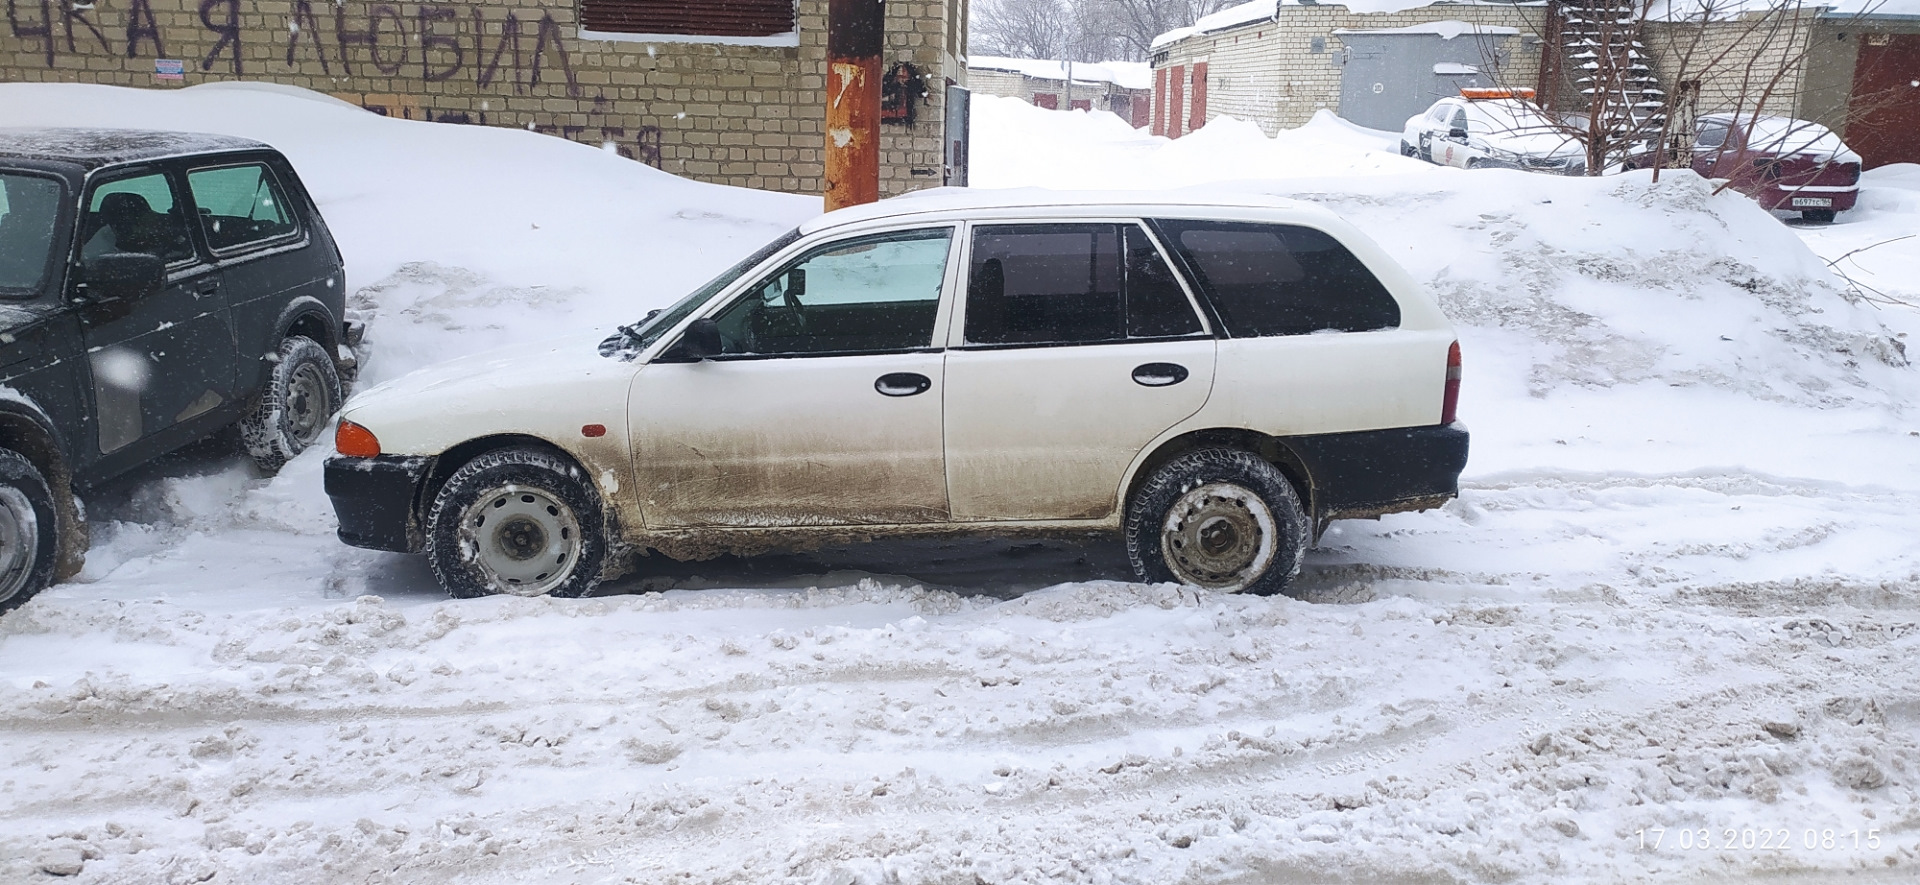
<point x="1277" y="279"/>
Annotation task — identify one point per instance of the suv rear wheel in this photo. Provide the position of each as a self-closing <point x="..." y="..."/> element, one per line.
<point x="28" y="524"/>
<point x="1219" y="519"/>
<point x="521" y="521"/>
<point x="301" y="395"/>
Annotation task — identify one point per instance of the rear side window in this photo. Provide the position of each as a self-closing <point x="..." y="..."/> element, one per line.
<point x="1078" y="283"/>
<point x="240" y="205"/>
<point x="1278" y="279"/>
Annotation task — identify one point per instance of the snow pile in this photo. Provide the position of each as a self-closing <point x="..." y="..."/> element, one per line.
<point x="1665" y="634"/>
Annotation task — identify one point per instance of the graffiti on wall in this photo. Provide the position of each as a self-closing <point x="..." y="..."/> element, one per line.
<point x="495" y="50"/>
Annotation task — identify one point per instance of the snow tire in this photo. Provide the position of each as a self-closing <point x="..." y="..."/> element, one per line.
<point x="300" y="397"/>
<point x="521" y="521"/>
<point x="29" y="531"/>
<point x="1218" y="519"/>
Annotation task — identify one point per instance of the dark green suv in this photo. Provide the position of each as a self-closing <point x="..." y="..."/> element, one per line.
<point x="155" y="287"/>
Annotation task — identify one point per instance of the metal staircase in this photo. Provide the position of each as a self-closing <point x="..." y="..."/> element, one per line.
<point x="1600" y="48"/>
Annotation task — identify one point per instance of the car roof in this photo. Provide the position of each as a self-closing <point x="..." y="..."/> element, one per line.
<point x="946" y="203"/>
<point x="93" y="148"/>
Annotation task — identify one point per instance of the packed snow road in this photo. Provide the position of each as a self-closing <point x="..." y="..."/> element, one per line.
<point x="1665" y="633"/>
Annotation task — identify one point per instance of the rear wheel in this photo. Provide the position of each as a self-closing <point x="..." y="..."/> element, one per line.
<point x="1220" y="519"/>
<point x="521" y="521"/>
<point x="29" y="539"/>
<point x="300" y="397"/>
<point x="1817" y="216"/>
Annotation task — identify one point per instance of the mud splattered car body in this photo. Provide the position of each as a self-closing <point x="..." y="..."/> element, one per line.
<point x="1217" y="382"/>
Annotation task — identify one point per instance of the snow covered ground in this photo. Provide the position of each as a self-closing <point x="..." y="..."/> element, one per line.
<point x="1665" y="634"/>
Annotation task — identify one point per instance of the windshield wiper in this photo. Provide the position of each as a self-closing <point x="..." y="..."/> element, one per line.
<point x="629" y="335"/>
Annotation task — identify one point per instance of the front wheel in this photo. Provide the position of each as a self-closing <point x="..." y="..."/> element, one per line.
<point x="1406" y="150"/>
<point x="301" y="395"/>
<point x="1219" y="519"/>
<point x="521" y="521"/>
<point x="29" y="538"/>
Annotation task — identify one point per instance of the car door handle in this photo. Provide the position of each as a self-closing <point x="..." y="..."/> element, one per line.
<point x="1159" y="374"/>
<point x="902" y="384"/>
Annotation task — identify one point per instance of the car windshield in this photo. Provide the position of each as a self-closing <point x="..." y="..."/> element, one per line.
<point x="29" y="208"/>
<point x="1512" y="118"/>
<point x="639" y="336"/>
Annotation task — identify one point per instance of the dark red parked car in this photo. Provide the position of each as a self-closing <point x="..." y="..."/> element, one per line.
<point x="1783" y="163"/>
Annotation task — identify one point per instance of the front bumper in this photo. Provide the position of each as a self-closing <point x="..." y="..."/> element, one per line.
<point x="374" y="499"/>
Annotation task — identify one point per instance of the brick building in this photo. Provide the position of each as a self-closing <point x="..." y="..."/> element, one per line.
<point x="1124" y="88"/>
<point x="730" y="93"/>
<point x="1276" y="62"/>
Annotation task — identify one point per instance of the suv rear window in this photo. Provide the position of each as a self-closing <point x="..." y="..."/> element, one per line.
<point x="1279" y="279"/>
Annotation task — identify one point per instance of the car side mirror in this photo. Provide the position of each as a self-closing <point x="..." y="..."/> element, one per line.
<point x="1457" y="132"/>
<point x="700" y="341"/>
<point x="117" y="275"/>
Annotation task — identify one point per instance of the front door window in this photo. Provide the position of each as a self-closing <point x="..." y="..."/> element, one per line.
<point x="873" y="294"/>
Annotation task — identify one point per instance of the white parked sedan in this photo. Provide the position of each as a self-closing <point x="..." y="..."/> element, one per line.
<point x="1493" y="128"/>
<point x="1213" y="382"/>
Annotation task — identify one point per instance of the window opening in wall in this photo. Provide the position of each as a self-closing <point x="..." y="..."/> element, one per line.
<point x="769" y="22"/>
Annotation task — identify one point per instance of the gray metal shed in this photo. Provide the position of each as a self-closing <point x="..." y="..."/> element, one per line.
<point x="1391" y="74"/>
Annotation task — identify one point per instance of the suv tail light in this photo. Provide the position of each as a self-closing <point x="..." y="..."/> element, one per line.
<point x="1450" y="401"/>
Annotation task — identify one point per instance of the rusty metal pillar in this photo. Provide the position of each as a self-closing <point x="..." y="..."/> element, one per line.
<point x="856" y="36"/>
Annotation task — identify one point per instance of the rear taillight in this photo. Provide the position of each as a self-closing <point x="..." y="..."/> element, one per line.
<point x="1450" y="400"/>
<point x="352" y="440"/>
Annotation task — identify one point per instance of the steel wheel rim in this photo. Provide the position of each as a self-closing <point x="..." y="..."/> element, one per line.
<point x="1219" y="536"/>
<point x="306" y="404"/>
<point x="19" y="541"/>
<point x="524" y="540"/>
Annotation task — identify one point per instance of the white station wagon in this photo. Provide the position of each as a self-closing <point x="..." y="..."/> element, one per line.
<point x="1213" y="382"/>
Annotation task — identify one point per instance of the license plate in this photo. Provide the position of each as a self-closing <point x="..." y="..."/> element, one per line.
<point x="1812" y="202"/>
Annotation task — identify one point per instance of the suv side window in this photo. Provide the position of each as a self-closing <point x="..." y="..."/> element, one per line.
<point x="240" y="206"/>
<point x="137" y="214"/>
<point x="1280" y="279"/>
<point x="871" y="294"/>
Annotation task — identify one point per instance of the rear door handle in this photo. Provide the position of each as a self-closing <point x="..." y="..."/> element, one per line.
<point x="902" y="384"/>
<point x="1159" y="374"/>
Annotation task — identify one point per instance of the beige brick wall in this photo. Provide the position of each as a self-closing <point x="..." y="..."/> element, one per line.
<point x="1758" y="60"/>
<point x="741" y="115"/>
<point x="1266" y="72"/>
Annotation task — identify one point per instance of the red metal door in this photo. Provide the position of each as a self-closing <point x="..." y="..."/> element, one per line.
<point x="1048" y="100"/>
<point x="1176" y="86"/>
<point x="1198" y="117"/>
<point x="1886" y="100"/>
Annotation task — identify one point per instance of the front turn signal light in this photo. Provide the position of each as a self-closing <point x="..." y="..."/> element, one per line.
<point x="355" y="441"/>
